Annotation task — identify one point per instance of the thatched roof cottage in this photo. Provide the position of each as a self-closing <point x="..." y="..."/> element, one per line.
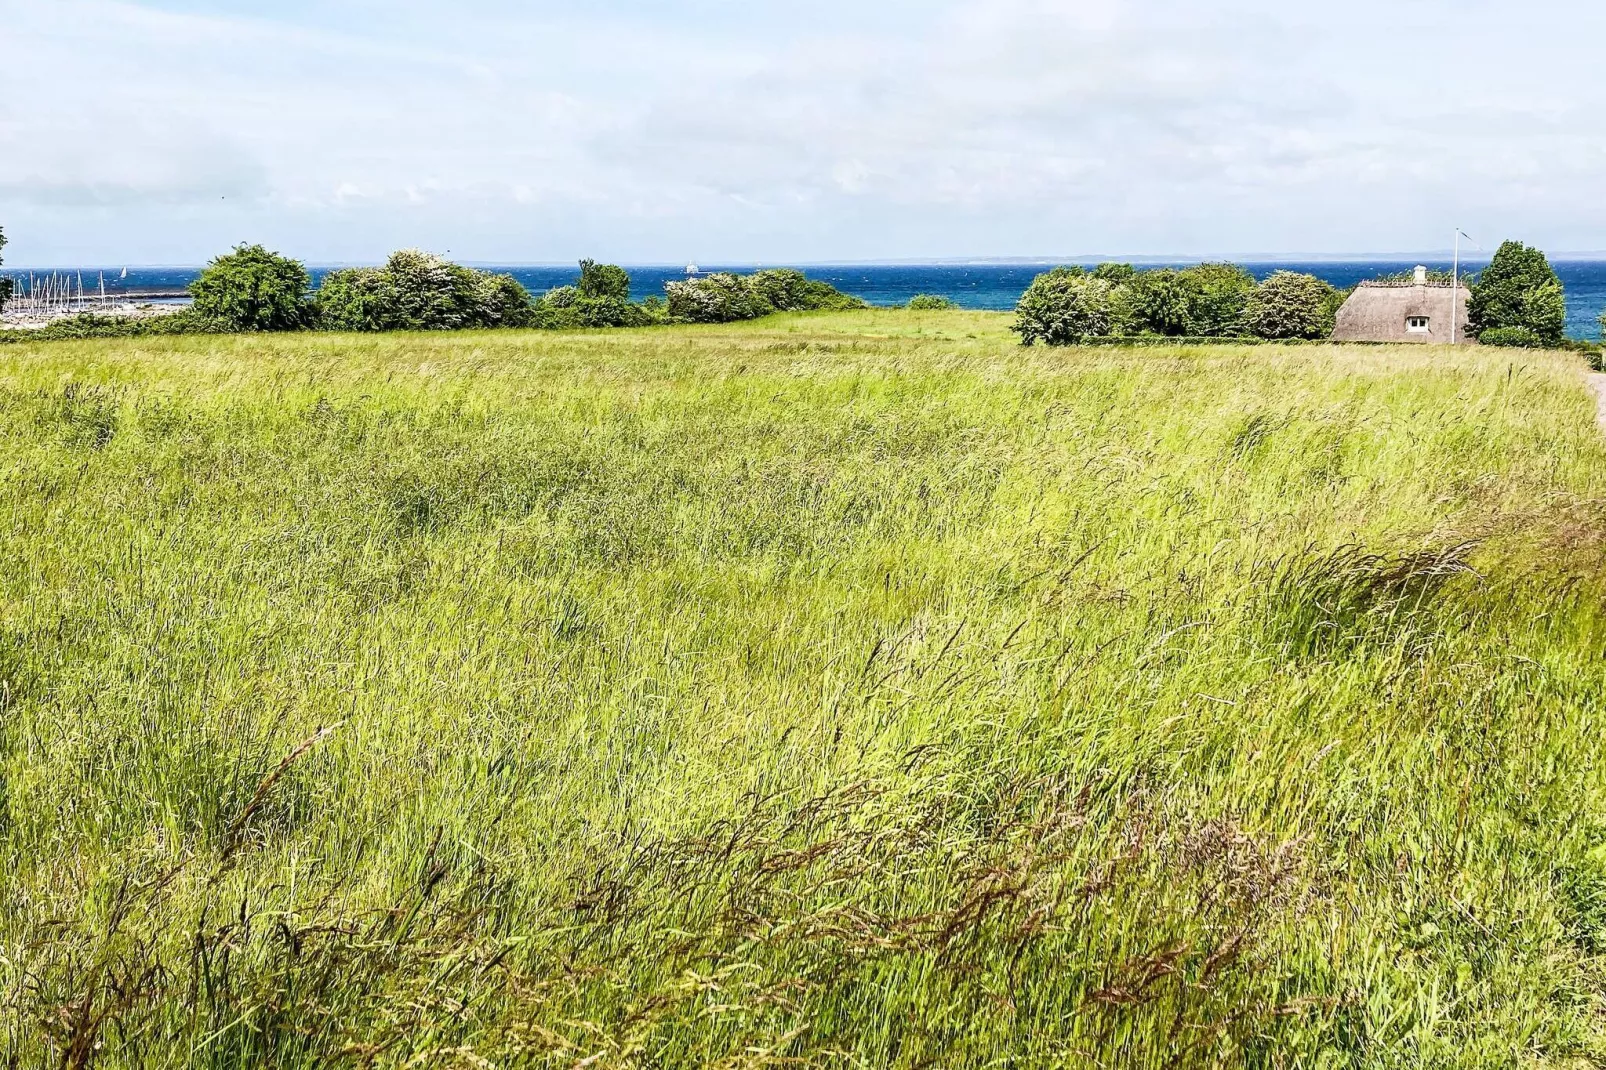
<point x="1416" y="311"/>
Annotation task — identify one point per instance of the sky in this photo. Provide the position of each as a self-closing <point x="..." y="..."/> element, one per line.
<point x="750" y="131"/>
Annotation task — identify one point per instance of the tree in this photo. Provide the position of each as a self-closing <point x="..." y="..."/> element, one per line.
<point x="252" y="289"/>
<point x="1289" y="305"/>
<point x="603" y="280"/>
<point x="789" y="290"/>
<point x="717" y="298"/>
<point x="417" y="291"/>
<point x="1113" y="272"/>
<point x="1206" y="301"/>
<point x="1519" y="289"/>
<point x="1067" y="306"/>
<point x="502" y="301"/>
<point x="1160" y="301"/>
<point x="1217" y="299"/>
<point x="600" y="299"/>
<point x="5" y="284"/>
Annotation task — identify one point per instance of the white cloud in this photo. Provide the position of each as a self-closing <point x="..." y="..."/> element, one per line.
<point x="751" y="131"/>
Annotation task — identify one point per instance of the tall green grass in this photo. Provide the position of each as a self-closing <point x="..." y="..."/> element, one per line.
<point x="845" y="690"/>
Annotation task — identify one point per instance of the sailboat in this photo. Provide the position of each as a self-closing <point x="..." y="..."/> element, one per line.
<point x="691" y="269"/>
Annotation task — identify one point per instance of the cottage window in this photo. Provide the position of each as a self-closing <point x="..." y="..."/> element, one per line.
<point x="1416" y="323"/>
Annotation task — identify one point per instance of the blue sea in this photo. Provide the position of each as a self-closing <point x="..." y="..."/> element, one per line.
<point x="977" y="286"/>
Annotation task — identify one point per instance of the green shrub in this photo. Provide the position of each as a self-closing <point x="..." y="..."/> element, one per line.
<point x="717" y="298"/>
<point x="560" y="297"/>
<point x="607" y="312"/>
<point x="1159" y="301"/>
<point x="789" y="290"/>
<point x="1217" y="299"/>
<point x="252" y="289"/>
<point x="930" y="303"/>
<point x="1112" y="272"/>
<point x="726" y="298"/>
<point x="554" y="310"/>
<point x="1067" y="305"/>
<point x="603" y="281"/>
<point x="417" y="291"/>
<point x="656" y="309"/>
<point x="356" y="299"/>
<point x="503" y="301"/>
<point x="1519" y="289"/>
<point x="601" y="300"/>
<point x="1514" y="337"/>
<point x="1291" y="305"/>
<point x="1207" y="300"/>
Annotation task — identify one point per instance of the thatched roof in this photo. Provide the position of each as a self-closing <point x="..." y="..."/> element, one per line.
<point x="1380" y="311"/>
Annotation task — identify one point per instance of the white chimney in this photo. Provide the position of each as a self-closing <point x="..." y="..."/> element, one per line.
<point x="1421" y="275"/>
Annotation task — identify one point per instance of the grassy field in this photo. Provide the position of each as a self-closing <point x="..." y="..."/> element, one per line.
<point x="853" y="690"/>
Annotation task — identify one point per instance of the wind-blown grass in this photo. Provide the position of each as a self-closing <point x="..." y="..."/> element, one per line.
<point x="843" y="690"/>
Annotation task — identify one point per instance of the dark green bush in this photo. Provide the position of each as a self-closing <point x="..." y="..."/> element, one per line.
<point x="1218" y="296"/>
<point x="416" y="291"/>
<point x="1519" y="289"/>
<point x="560" y="297"/>
<point x="602" y="299"/>
<point x="5" y="284"/>
<point x="1159" y="301"/>
<point x="357" y="299"/>
<point x="1113" y="272"/>
<point x="717" y="298"/>
<point x="1291" y="305"/>
<point x="503" y="301"/>
<point x="1207" y="300"/>
<point x="789" y="290"/>
<point x="930" y="303"/>
<point x="726" y="298"/>
<point x="1065" y="306"/>
<point x="252" y="289"/>
<point x="1513" y="337"/>
<point x="603" y="281"/>
<point x="595" y="312"/>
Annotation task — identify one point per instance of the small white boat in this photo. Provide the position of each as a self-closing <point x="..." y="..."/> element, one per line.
<point x="691" y="269"/>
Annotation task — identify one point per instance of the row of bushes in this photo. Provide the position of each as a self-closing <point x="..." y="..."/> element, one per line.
<point x="252" y="289"/>
<point x="1517" y="300"/>
<point x="1070" y="305"/>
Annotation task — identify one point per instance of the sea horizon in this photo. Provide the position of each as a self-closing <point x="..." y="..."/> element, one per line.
<point x="980" y="285"/>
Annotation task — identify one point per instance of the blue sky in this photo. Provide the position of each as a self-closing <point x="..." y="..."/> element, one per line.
<point x="722" y="131"/>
